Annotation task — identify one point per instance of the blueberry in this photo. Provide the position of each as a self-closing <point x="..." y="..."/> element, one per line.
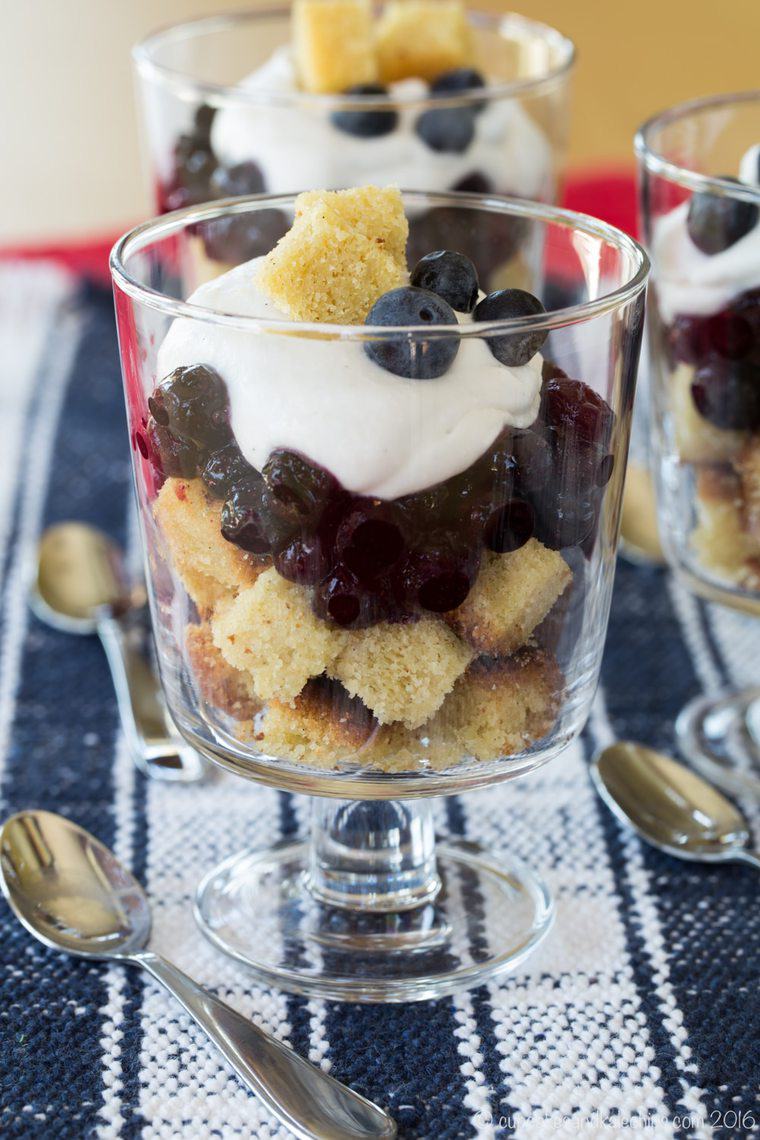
<point x="192" y="403"/>
<point x="366" y="124"/>
<point x="438" y="578"/>
<point x="236" y="238"/>
<point x="506" y="304"/>
<point x="404" y="356"/>
<point x="451" y="275"/>
<point x="727" y="393"/>
<point x="225" y="468"/>
<point x="459" y="81"/>
<point x="535" y="460"/>
<point x="447" y="130"/>
<point x="339" y="599"/>
<point x="300" y="489"/>
<point x="578" y="415"/>
<point x="169" y="455"/>
<point x="370" y="540"/>
<point x="509" y="527"/>
<point x="714" y="223"/>
<point x="563" y="519"/>
<point x="194" y="165"/>
<point x="475" y="183"/>
<point x="244" y="516"/>
<point x="202" y="122"/>
<point x="303" y="560"/>
<point x="236" y="181"/>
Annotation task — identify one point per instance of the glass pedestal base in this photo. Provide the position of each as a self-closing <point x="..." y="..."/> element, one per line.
<point x="486" y="918"/>
<point x="719" y="735"/>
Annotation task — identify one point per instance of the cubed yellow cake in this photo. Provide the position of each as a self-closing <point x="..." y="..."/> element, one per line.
<point x="500" y="707"/>
<point x="325" y="727"/>
<point x="270" y="632"/>
<point x="422" y="39"/>
<point x="220" y="684"/>
<point x="402" y="672"/>
<point x="333" y="44"/>
<point x="327" y="272"/>
<point x="748" y="468"/>
<point x="375" y="212"/>
<point x="512" y="594"/>
<point x="322" y="727"/>
<point x="209" y="567"/>
<point x="720" y="540"/>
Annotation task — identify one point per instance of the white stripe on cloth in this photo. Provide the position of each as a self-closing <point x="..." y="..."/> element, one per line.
<point x="32" y="293"/>
<point x="112" y="1012"/>
<point x="686" y="609"/>
<point x="53" y="334"/>
<point x="568" y="1022"/>
<point x="124" y="783"/>
<point x="645" y="911"/>
<point x="189" y="830"/>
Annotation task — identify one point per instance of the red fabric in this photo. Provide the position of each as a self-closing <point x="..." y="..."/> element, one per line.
<point x="606" y="194"/>
<point x="609" y="195"/>
<point x="84" y="258"/>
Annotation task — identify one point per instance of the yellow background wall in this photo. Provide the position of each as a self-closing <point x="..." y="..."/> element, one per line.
<point x="636" y="57"/>
<point x="70" y="160"/>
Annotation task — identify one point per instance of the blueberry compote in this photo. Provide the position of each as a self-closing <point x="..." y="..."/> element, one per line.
<point x="724" y="348"/>
<point x="197" y="177"/>
<point x="368" y="560"/>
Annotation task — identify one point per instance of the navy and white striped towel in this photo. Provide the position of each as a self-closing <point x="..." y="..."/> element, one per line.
<point x="639" y="1013"/>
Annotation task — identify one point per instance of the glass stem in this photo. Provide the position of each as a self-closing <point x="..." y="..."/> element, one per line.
<point x="373" y="855"/>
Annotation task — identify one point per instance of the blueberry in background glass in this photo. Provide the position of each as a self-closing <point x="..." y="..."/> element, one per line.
<point x="396" y="109"/>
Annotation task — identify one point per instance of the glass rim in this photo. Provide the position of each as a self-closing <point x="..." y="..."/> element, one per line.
<point x="656" y="163"/>
<point x="222" y="94"/>
<point x="166" y="225"/>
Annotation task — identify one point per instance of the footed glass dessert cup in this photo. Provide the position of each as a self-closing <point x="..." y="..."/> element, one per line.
<point x="380" y="558"/>
<point x="224" y="111"/>
<point x="700" y="209"/>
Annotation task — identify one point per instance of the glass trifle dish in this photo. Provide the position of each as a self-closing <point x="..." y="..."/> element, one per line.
<point x="336" y="93"/>
<point x="380" y="508"/>
<point x="700" y="198"/>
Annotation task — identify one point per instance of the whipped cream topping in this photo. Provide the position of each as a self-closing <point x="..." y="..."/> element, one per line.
<point x="297" y="146"/>
<point x="690" y="281"/>
<point x="381" y="435"/>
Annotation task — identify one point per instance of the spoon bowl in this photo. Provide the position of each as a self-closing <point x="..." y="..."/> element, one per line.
<point x="670" y="806"/>
<point x="79" y="571"/>
<point x="69" y="890"/>
<point x="72" y="893"/>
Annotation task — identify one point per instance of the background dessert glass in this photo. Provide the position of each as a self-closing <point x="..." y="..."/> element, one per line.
<point x="367" y="909"/>
<point x="702" y="227"/>
<point x="207" y="136"/>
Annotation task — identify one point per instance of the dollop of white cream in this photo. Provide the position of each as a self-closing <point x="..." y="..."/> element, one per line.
<point x="381" y="435"/>
<point x="296" y="145"/>
<point x="693" y="282"/>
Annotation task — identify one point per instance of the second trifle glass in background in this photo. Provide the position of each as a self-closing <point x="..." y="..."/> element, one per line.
<point x="429" y="96"/>
<point x="380" y="549"/>
<point x="700" y="207"/>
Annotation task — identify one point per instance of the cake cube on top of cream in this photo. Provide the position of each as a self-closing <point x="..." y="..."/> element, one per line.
<point x="333" y="44"/>
<point x="343" y="251"/>
<point x="420" y="39"/>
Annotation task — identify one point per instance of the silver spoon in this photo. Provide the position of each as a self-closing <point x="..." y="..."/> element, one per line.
<point x="72" y="894"/>
<point x="81" y="588"/>
<point x="670" y="806"/>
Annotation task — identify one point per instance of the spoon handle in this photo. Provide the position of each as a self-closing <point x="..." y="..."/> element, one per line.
<point x="312" y="1104"/>
<point x="742" y="855"/>
<point x="155" y="750"/>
